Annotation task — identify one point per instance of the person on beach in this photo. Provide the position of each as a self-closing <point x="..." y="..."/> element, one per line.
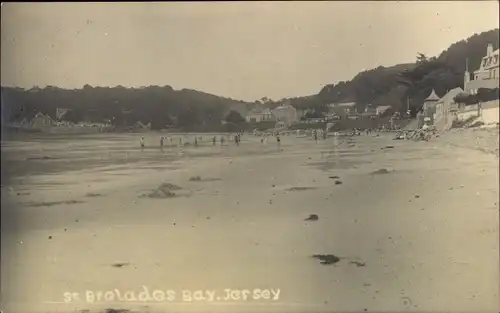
<point x="221" y="140"/>
<point x="214" y="141"/>
<point x="161" y="141"/>
<point x="278" y="139"/>
<point x="196" y="141"/>
<point x="142" y="143"/>
<point x="180" y="141"/>
<point x="315" y="135"/>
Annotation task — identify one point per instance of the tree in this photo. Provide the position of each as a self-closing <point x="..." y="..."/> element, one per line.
<point x="234" y="117"/>
<point x="421" y="58"/>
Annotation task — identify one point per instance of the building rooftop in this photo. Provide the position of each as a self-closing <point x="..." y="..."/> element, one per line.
<point x="346" y="104"/>
<point x="284" y="106"/>
<point x="432" y="96"/>
<point x="490" y="60"/>
<point x="451" y="94"/>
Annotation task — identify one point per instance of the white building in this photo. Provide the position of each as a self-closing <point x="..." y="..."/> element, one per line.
<point x="487" y="76"/>
<point x="260" y="116"/>
<point x="41" y="120"/>
<point x="444" y="107"/>
<point x="369" y="111"/>
<point x="344" y="107"/>
<point x="286" y="113"/>
<point x="381" y="109"/>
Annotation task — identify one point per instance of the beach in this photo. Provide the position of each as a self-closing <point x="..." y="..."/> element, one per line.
<point x="414" y="224"/>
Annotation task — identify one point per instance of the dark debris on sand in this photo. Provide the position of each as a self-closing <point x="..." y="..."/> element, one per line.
<point x="358" y="264"/>
<point x="170" y="186"/>
<point x="93" y="195"/>
<point x="109" y="311"/>
<point x="165" y="190"/>
<point x="199" y="179"/>
<point x="40" y="158"/>
<point x="41" y="204"/>
<point x="381" y="171"/>
<point x="300" y="188"/>
<point x="338" y="182"/>
<point x="119" y="265"/>
<point x="117" y="311"/>
<point x="312" y="217"/>
<point x="327" y="259"/>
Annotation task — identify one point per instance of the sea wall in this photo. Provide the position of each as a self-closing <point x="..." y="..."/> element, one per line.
<point x="489" y="112"/>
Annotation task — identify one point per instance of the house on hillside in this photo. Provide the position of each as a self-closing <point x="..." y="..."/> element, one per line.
<point x="369" y="112"/>
<point x="286" y="113"/>
<point x="369" y="109"/>
<point x="381" y="109"/>
<point x="258" y="116"/>
<point x="139" y="126"/>
<point x="41" y="120"/>
<point x="347" y="107"/>
<point x="487" y="76"/>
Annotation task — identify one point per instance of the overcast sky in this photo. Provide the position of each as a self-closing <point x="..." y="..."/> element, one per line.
<point x="242" y="50"/>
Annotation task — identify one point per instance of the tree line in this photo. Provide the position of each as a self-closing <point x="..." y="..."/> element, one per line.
<point x="163" y="107"/>
<point x="411" y="83"/>
<point x="400" y="86"/>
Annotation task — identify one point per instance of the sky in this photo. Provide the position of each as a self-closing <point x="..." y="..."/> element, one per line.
<point x="242" y="50"/>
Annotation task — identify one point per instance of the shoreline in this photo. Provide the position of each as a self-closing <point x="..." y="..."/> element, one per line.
<point x="426" y="222"/>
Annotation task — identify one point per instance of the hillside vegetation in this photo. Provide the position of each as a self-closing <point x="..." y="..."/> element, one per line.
<point x="162" y="106"/>
<point x="198" y="111"/>
<point x="393" y="85"/>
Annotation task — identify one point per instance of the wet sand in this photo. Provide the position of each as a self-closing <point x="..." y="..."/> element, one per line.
<point x="422" y="236"/>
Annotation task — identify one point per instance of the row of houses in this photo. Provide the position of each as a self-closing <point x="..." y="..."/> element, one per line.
<point x="349" y="109"/>
<point x="44" y="123"/>
<point x="286" y="115"/>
